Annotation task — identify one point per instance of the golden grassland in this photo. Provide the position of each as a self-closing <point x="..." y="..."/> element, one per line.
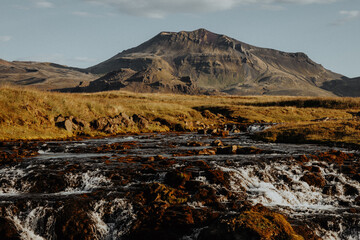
<point x="29" y="114"/>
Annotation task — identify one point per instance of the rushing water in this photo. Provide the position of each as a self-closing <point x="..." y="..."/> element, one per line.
<point x="34" y="191"/>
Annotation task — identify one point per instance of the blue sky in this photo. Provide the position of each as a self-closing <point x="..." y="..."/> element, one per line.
<point x="83" y="33"/>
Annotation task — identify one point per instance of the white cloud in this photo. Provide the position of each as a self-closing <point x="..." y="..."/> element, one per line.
<point x="81" y="14"/>
<point x="350" y="14"/>
<point x="44" y="4"/>
<point x="5" y="38"/>
<point x="347" y="16"/>
<point x="161" y="8"/>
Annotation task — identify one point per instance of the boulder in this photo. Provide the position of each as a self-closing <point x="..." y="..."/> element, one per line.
<point x="313" y="179"/>
<point x="251" y="224"/>
<point x="141" y="121"/>
<point x="227" y="149"/>
<point x="8" y="230"/>
<point x="73" y="222"/>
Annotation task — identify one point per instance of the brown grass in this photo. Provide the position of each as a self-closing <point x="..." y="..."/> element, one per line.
<point x="320" y="132"/>
<point x="29" y="114"/>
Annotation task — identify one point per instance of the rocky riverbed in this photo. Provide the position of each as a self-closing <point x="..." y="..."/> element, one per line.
<point x="178" y="186"/>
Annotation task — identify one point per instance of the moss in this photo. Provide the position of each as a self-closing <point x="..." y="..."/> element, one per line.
<point x="264" y="225"/>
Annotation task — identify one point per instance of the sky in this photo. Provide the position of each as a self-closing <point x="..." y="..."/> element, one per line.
<point x="82" y="33"/>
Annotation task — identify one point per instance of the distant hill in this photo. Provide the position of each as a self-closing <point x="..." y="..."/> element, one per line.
<point x="212" y="62"/>
<point x="46" y="76"/>
<point x="197" y="62"/>
<point x="347" y="87"/>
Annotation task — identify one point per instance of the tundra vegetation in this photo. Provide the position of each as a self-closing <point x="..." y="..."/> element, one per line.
<point x="28" y="114"/>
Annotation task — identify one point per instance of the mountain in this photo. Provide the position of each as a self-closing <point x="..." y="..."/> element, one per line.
<point x="46" y="76"/>
<point x="347" y="87"/>
<point x="211" y="63"/>
<point x="196" y="62"/>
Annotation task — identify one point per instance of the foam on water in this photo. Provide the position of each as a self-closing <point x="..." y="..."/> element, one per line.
<point x="87" y="181"/>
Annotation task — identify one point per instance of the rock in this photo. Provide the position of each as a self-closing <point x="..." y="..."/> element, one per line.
<point x="251" y="224"/>
<point x="73" y="222"/>
<point x="350" y="190"/>
<point x="8" y="230"/>
<point x="217" y="176"/>
<point x="194" y="144"/>
<point x="227" y="150"/>
<point x="99" y="124"/>
<point x="141" y="121"/>
<point x="248" y="150"/>
<point x="70" y="123"/>
<point x="179" y="128"/>
<point x="69" y="126"/>
<point x="201" y="131"/>
<point x="176" y="179"/>
<point x="81" y="123"/>
<point x="217" y="143"/>
<point x="46" y="183"/>
<point x="59" y="118"/>
<point x="208" y="114"/>
<point x="330" y="190"/>
<point x="313" y="179"/>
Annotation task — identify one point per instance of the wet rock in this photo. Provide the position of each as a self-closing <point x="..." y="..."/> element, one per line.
<point x="163" y="222"/>
<point x="227" y="150"/>
<point x="73" y="222"/>
<point x="8" y="230"/>
<point x="157" y="192"/>
<point x="12" y="154"/>
<point x="248" y="150"/>
<point x="207" y="196"/>
<point x="218" y="132"/>
<point x="217" y="176"/>
<point x="195" y="144"/>
<point x="177" y="178"/>
<point x="43" y="182"/>
<point x="202" y="131"/>
<point x="330" y="190"/>
<point x="207" y="151"/>
<point x="217" y="143"/>
<point x="251" y="224"/>
<point x="305" y="231"/>
<point x="350" y="190"/>
<point x="313" y="179"/>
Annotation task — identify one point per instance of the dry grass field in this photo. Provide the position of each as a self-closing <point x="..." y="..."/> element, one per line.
<point x="29" y="114"/>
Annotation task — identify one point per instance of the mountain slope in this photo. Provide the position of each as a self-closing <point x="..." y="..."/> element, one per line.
<point x="347" y="87"/>
<point x="46" y="76"/>
<point x="213" y="62"/>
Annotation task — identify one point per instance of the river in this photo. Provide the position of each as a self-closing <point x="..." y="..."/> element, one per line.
<point x="99" y="188"/>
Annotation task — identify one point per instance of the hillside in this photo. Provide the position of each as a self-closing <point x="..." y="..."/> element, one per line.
<point x="45" y="76"/>
<point x="212" y="62"/>
<point x="349" y="87"/>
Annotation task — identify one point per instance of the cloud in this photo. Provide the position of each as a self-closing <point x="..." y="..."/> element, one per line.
<point x="350" y="14"/>
<point x="81" y="14"/>
<point x="5" y="38"/>
<point x="162" y="8"/>
<point x="44" y="4"/>
<point x="347" y="16"/>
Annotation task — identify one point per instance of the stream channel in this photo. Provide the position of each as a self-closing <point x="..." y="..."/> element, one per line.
<point x="104" y="188"/>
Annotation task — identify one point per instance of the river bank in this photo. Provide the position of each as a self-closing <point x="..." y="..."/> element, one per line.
<point x="27" y="114"/>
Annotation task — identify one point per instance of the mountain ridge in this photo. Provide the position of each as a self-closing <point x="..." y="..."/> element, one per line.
<point x="191" y="62"/>
<point x="221" y="63"/>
